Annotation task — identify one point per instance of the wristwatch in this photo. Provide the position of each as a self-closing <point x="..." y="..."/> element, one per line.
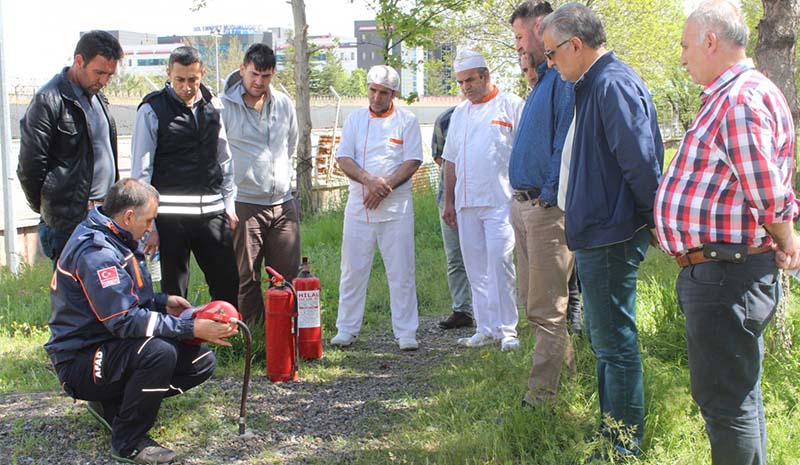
<point x="542" y="203"/>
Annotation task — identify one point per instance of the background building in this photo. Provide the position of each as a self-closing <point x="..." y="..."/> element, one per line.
<point x="222" y="46"/>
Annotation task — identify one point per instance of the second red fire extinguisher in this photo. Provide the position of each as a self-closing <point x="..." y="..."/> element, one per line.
<point x="309" y="324"/>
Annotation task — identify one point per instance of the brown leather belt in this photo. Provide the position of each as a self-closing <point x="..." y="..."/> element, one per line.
<point x="695" y="256"/>
<point x="94" y="203"/>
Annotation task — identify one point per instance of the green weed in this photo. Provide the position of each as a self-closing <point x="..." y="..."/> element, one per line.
<point x="471" y="412"/>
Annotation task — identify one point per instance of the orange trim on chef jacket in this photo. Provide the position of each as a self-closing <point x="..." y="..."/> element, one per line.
<point x="385" y="114"/>
<point x="502" y="123"/>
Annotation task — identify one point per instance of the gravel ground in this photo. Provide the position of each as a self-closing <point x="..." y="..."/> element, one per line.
<point x="299" y="423"/>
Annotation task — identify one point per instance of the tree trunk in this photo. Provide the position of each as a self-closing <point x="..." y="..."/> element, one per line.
<point x="303" y="106"/>
<point x="775" y="54"/>
<point x="775" y="51"/>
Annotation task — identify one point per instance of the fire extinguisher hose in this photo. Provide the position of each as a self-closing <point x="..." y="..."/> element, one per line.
<point x="246" y="380"/>
<point x="294" y="325"/>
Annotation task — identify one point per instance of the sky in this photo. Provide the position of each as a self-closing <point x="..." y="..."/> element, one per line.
<point x="39" y="36"/>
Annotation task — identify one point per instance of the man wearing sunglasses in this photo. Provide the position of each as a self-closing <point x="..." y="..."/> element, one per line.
<point x="614" y="155"/>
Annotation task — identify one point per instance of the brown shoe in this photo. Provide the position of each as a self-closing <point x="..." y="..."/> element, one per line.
<point x="457" y="320"/>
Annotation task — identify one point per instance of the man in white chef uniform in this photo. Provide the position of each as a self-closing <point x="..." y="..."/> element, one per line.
<point x="478" y="198"/>
<point x="380" y="149"/>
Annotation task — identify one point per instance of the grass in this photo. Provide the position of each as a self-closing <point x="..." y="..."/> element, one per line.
<point x="471" y="415"/>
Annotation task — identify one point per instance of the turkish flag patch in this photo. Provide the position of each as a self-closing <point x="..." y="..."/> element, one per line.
<point x="108" y="276"/>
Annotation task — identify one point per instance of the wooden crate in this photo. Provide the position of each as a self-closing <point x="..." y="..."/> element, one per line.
<point x="326" y="159"/>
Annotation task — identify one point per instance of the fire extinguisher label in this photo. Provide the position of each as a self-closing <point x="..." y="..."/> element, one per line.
<point x="308" y="311"/>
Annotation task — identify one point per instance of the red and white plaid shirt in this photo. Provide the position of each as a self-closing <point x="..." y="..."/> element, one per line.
<point x="733" y="170"/>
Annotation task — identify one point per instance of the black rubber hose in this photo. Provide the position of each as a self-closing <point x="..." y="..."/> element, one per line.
<point x="296" y="329"/>
<point x="246" y="381"/>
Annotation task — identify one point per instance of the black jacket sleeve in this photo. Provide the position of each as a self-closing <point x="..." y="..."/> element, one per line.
<point x="36" y="135"/>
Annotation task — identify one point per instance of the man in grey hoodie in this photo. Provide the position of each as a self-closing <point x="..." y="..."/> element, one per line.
<point x="262" y="133"/>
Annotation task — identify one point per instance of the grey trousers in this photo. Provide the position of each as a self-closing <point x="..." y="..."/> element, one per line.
<point x="457" y="279"/>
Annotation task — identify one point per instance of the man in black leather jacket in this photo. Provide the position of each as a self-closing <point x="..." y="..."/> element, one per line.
<point x="68" y="144"/>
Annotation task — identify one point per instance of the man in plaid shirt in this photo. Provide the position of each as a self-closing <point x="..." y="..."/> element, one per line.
<point x="725" y="209"/>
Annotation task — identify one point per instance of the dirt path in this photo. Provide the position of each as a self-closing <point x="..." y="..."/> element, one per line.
<point x="302" y="422"/>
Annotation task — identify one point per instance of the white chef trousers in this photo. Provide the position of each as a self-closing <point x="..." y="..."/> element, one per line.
<point x="487" y="245"/>
<point x="395" y="240"/>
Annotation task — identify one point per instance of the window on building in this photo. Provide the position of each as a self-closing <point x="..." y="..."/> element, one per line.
<point x="151" y="62"/>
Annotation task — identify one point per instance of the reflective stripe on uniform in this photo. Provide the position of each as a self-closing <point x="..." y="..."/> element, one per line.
<point x="190" y="210"/>
<point x="200" y="357"/>
<point x="151" y="325"/>
<point x="144" y="344"/>
<point x="198" y="199"/>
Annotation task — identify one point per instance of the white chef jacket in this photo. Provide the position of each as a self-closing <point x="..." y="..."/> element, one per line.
<point x="379" y="145"/>
<point x="479" y="143"/>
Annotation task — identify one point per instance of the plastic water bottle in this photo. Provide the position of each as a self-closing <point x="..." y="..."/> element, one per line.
<point x="155" y="267"/>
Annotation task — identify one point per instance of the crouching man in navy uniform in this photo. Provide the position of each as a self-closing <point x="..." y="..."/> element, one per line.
<point x="114" y="341"/>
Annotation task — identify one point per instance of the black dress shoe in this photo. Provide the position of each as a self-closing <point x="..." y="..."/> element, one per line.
<point x="457" y="320"/>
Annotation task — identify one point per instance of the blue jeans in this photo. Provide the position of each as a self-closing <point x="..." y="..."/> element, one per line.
<point x="608" y="275"/>
<point x="727" y="307"/>
<point x="52" y="241"/>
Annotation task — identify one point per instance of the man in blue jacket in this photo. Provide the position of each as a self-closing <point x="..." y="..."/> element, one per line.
<point x="114" y="342"/>
<point x="614" y="155"/>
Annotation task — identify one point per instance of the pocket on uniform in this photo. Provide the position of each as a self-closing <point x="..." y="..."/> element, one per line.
<point x="761" y="302"/>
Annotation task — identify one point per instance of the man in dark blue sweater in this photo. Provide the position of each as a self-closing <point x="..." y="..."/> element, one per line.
<point x="544" y="262"/>
<point x="614" y="155"/>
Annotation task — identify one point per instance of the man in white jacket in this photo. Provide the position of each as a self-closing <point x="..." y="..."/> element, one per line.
<point x="381" y="148"/>
<point x="477" y="197"/>
<point x="262" y="133"/>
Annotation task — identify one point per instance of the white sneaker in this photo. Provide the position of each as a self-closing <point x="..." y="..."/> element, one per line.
<point x="343" y="339"/>
<point x="407" y="343"/>
<point x="509" y="343"/>
<point x="476" y="340"/>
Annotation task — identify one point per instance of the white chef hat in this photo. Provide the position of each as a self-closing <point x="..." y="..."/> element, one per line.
<point x="385" y="76"/>
<point x="468" y="59"/>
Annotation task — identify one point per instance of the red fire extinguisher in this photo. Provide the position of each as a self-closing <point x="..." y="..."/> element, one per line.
<point x="309" y="339"/>
<point x="280" y="306"/>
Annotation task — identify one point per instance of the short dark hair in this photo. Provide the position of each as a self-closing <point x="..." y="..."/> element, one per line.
<point x="186" y="56"/>
<point x="261" y="56"/>
<point x="531" y="9"/>
<point x="128" y="193"/>
<point x="101" y="43"/>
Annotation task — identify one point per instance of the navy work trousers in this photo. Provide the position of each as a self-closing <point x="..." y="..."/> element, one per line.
<point x="130" y="377"/>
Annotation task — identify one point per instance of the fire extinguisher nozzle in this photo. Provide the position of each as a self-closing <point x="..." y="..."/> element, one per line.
<point x="274" y="275"/>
